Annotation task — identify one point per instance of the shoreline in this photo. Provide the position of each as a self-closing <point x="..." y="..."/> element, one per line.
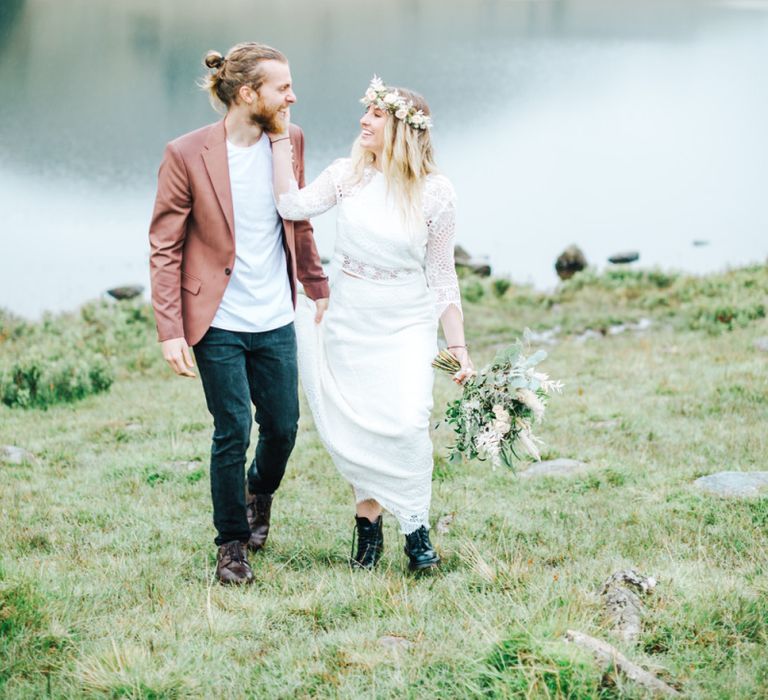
<point x="551" y="289"/>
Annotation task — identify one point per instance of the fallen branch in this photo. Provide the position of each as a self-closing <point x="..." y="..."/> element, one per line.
<point x="607" y="655"/>
<point x="624" y="606"/>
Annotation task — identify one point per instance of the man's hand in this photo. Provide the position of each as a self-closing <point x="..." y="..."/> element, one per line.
<point x="321" y="306"/>
<point x="177" y="355"/>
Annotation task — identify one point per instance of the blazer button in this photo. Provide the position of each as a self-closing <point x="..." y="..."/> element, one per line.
<point x="227" y="271"/>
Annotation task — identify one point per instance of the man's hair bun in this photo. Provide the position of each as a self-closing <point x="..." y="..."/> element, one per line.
<point x="243" y="65"/>
<point x="213" y="59"/>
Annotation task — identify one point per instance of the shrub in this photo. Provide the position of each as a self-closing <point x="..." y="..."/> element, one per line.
<point x="713" y="303"/>
<point x="723" y="316"/>
<point x="500" y="286"/>
<point x="472" y="291"/>
<point x="36" y="381"/>
<point x="67" y="357"/>
<point x="619" y="278"/>
<point x="11" y="326"/>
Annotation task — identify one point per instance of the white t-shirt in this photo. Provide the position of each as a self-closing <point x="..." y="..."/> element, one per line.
<point x="258" y="296"/>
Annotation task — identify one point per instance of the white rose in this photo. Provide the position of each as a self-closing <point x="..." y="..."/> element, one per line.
<point x="417" y="119"/>
<point x="390" y="98"/>
<point x="370" y="94"/>
<point x="401" y="113"/>
<point x="501" y="427"/>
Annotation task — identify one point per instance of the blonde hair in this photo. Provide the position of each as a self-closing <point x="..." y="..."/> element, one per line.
<point x="241" y="66"/>
<point x="406" y="159"/>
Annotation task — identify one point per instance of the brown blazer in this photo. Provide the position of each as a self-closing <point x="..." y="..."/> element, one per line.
<point x="192" y="234"/>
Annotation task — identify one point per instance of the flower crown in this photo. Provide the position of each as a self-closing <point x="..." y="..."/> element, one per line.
<point x="393" y="102"/>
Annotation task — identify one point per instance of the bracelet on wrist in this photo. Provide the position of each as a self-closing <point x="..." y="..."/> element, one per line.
<point x="453" y="347"/>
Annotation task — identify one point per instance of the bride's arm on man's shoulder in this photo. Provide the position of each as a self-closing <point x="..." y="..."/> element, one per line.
<point x="441" y="272"/>
<point x="294" y="203"/>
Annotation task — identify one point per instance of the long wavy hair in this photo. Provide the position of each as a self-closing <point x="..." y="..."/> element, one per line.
<point x="406" y="159"/>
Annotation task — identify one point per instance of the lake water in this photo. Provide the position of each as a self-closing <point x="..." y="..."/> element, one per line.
<point x="612" y="124"/>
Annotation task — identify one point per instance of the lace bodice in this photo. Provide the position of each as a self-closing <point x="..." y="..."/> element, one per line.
<point x="371" y="239"/>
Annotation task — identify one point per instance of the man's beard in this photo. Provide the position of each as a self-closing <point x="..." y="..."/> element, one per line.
<point x="268" y="119"/>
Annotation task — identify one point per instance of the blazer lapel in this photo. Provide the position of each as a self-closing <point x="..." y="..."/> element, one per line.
<point x="217" y="165"/>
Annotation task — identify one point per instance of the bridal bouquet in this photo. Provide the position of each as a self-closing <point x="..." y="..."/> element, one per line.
<point x="501" y="403"/>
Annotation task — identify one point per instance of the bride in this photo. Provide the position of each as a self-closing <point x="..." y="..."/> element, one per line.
<point x="366" y="366"/>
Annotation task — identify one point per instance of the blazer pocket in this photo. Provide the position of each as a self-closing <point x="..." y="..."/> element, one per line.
<point x="189" y="283"/>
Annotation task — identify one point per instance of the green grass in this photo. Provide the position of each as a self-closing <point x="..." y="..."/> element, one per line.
<point x="106" y="565"/>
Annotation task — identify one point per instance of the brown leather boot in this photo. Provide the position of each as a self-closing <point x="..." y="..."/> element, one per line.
<point x="258" y="507"/>
<point x="232" y="563"/>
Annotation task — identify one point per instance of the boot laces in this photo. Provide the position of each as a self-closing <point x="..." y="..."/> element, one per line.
<point x="419" y="539"/>
<point x="235" y="552"/>
<point x="368" y="541"/>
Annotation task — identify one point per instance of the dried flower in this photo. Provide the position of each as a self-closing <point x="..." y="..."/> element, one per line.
<point x="527" y="397"/>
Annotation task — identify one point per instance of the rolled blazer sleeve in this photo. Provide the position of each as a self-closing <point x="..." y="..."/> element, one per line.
<point x="309" y="270"/>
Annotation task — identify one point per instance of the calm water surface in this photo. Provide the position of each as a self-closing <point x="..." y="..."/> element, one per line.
<point x="614" y="124"/>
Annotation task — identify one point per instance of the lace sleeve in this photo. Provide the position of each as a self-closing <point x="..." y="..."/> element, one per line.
<point x="317" y="197"/>
<point x="440" y="265"/>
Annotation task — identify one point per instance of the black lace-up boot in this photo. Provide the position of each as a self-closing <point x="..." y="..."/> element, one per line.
<point x="370" y="543"/>
<point x="421" y="553"/>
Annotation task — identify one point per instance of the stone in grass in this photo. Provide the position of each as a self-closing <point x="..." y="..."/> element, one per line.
<point x="606" y="424"/>
<point x="443" y="526"/>
<point x="762" y="344"/>
<point x="15" y="455"/>
<point x="391" y="641"/>
<point x="186" y="465"/>
<point x="734" y="484"/>
<point x="555" y="467"/>
<point x="546" y="337"/>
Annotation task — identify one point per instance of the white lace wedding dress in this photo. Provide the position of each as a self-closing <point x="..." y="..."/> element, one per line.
<point x="366" y="368"/>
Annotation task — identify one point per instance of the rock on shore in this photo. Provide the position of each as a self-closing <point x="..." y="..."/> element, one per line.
<point x="734" y="484"/>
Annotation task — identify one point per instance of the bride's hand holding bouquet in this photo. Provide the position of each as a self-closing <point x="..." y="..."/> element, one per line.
<point x="466" y="369"/>
<point x="494" y="418"/>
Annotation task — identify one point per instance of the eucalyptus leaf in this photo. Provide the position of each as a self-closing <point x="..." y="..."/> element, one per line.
<point x="508" y="355"/>
<point x="534" y="359"/>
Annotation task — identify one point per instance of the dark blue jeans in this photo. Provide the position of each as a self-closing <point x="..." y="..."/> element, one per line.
<point x="237" y="370"/>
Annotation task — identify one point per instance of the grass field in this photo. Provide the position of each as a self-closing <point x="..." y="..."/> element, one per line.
<point x="106" y="575"/>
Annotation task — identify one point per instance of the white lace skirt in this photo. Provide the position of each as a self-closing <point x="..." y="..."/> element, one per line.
<point x="366" y="371"/>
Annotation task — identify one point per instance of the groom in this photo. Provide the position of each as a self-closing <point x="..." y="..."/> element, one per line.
<point x="224" y="266"/>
